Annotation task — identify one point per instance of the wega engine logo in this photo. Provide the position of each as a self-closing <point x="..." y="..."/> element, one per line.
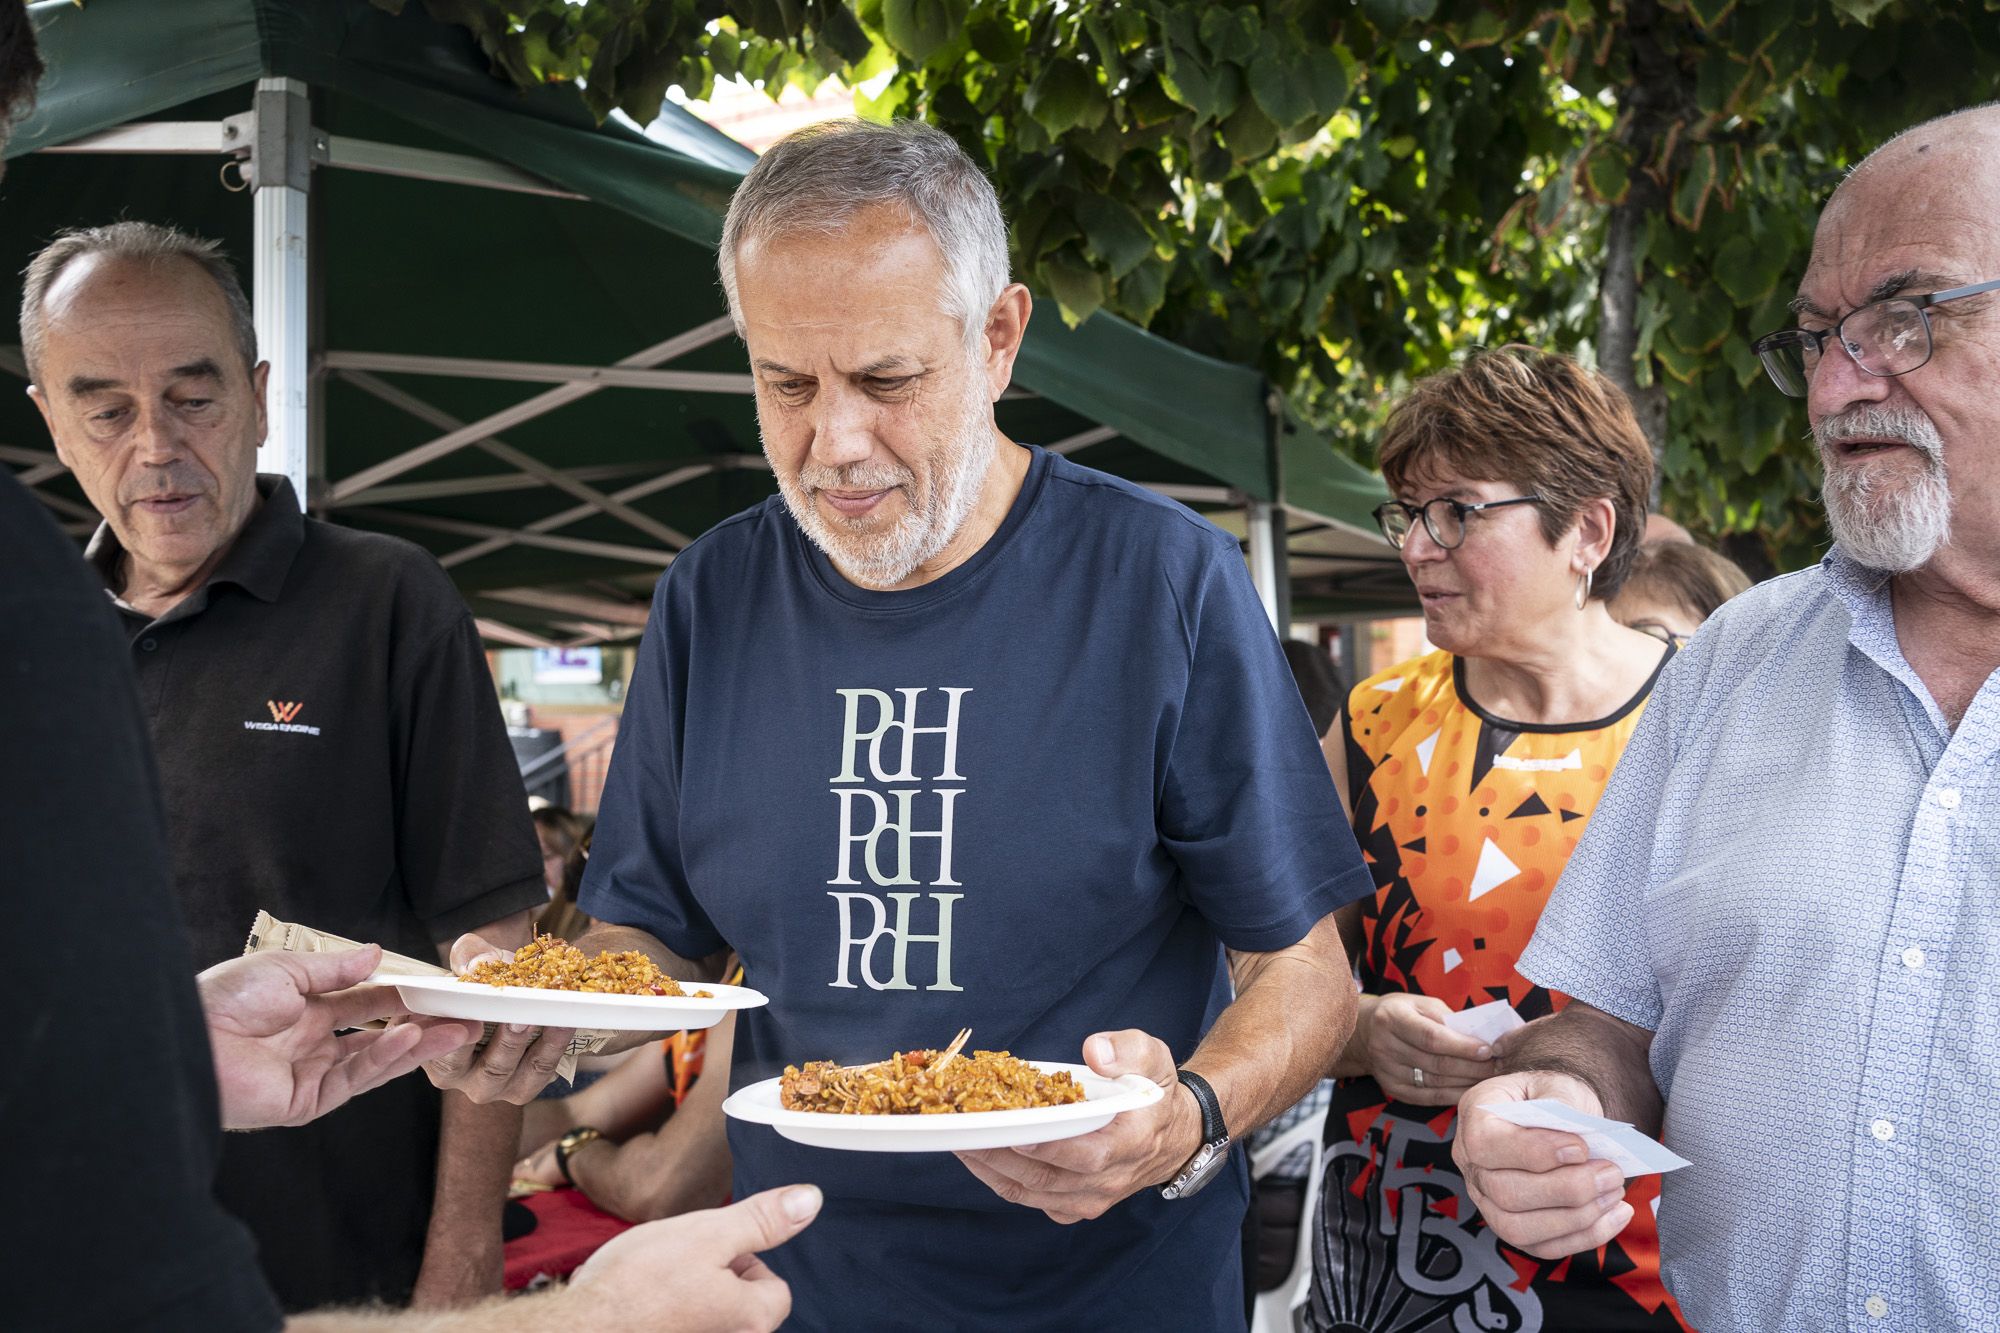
<point x="282" y="719"/>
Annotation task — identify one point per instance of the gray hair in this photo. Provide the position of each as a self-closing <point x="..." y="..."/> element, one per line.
<point x="146" y="242"/>
<point x="1975" y="117"/>
<point x="816" y="179"/>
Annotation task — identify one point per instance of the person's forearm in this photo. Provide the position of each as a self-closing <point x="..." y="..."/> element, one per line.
<point x="619" y="938"/>
<point x="1291" y="1017"/>
<point x="543" y="1120"/>
<point x="1352" y="1061"/>
<point x="683" y="1165"/>
<point x="476" y="1153"/>
<point x="477" y="1148"/>
<point x="632" y="1097"/>
<point x="500" y="1314"/>
<point x="1607" y="1054"/>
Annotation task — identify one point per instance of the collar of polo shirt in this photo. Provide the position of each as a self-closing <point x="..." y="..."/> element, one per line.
<point x="258" y="559"/>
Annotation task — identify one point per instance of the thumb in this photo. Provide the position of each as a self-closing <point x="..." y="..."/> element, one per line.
<point x="764" y="1221"/>
<point x="470" y="949"/>
<point x="1129" y="1052"/>
<point x="323" y="973"/>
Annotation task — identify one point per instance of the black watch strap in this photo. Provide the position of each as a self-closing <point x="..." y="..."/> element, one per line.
<point x="573" y="1139"/>
<point x="1212" y="1128"/>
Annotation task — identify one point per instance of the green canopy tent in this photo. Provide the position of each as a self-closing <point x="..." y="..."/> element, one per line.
<point x="493" y="323"/>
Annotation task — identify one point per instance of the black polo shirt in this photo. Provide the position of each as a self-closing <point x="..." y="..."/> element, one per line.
<point x="331" y="749"/>
<point x="107" y="1098"/>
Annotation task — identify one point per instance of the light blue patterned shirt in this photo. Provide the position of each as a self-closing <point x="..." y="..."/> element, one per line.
<point x="1793" y="880"/>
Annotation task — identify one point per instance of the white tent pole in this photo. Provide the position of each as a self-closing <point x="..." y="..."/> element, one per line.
<point x="1263" y="558"/>
<point x="281" y="176"/>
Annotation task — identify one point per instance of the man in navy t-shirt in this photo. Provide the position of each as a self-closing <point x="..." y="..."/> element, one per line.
<point x="956" y="733"/>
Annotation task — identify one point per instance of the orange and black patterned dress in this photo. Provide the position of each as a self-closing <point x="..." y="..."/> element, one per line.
<point x="1467" y="820"/>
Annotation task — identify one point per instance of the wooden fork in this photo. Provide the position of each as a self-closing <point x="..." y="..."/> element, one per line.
<point x="951" y="1052"/>
<point x="945" y="1057"/>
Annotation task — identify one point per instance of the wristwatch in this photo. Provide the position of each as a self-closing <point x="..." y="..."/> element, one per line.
<point x="1209" y="1159"/>
<point x="572" y="1140"/>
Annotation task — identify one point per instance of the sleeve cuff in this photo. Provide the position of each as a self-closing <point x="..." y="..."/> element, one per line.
<point x="1549" y="967"/>
<point x="1283" y="932"/>
<point x="520" y="896"/>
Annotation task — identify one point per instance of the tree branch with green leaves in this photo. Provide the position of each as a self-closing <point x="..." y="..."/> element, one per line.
<point x="1348" y="193"/>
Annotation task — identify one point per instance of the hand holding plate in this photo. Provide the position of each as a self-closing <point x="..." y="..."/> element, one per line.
<point x="517" y="1064"/>
<point x="1076" y="1179"/>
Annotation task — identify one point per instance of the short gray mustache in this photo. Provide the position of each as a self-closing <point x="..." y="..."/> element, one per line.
<point x="1866" y="423"/>
<point x="856" y="481"/>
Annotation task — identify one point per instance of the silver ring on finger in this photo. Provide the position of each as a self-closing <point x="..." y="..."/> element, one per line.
<point x="1417" y="1075"/>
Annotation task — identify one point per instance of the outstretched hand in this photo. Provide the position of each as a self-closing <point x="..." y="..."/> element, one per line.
<point x="699" y="1272"/>
<point x="1074" y="1180"/>
<point x="275" y="1025"/>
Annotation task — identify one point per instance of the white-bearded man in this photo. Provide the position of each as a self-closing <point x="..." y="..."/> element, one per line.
<point x="1802" y="835"/>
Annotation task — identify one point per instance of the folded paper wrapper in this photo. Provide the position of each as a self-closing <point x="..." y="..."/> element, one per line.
<point x="267" y="932"/>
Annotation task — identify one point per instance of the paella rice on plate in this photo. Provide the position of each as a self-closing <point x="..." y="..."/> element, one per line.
<point x="926" y="1082"/>
<point x="548" y="963"/>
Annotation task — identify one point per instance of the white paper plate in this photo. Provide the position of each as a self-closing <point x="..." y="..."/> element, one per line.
<point x="957" y="1132"/>
<point x="448" y="997"/>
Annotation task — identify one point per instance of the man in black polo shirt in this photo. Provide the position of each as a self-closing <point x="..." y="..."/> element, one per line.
<point x="327" y="736"/>
<point x="111" y="1098"/>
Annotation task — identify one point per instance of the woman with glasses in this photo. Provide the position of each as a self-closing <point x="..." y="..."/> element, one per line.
<point x="1521" y="482"/>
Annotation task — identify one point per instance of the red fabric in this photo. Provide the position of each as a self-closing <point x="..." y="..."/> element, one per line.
<point x="568" y="1229"/>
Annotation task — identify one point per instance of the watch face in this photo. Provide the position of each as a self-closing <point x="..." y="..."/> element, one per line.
<point x="1203" y="1167"/>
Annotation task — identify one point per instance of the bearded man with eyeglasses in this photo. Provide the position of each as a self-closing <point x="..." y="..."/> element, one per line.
<point x="1802" y="837"/>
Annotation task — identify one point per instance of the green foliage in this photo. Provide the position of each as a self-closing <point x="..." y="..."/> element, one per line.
<point x="1349" y="194"/>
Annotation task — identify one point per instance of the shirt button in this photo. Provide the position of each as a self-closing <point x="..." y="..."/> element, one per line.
<point x="149" y="644"/>
<point x="1913" y="957"/>
<point x="1882" y="1130"/>
<point x="1876" y="1307"/>
<point x="1948" y="797"/>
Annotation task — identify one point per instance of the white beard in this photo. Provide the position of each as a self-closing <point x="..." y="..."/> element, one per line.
<point x="1893" y="526"/>
<point x="933" y="515"/>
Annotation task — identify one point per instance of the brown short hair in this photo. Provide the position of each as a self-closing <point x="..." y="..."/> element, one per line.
<point x="1696" y="578"/>
<point x="1541" y="421"/>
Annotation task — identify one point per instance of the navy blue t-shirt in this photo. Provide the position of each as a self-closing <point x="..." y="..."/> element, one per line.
<point x="1034" y="797"/>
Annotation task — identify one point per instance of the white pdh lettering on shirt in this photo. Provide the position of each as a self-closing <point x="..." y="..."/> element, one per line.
<point x="867" y="833"/>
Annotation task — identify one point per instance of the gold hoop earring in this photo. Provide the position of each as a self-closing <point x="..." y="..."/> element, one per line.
<point x="1583" y="589"/>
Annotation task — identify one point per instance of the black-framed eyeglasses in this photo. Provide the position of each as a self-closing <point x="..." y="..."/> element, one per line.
<point x="1444" y="518"/>
<point x="1654" y="629"/>
<point x="1884" y="338"/>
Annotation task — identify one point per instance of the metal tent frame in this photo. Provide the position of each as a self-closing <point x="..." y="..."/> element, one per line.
<point x="272" y="151"/>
